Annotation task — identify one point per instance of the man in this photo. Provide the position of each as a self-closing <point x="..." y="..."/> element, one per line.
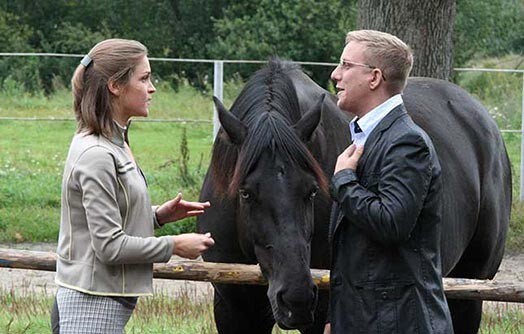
<point x="385" y="226"/>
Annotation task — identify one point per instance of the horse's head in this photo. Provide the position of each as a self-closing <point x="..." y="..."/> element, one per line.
<point x="275" y="181"/>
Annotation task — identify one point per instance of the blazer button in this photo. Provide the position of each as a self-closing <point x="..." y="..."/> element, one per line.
<point x="384" y="295"/>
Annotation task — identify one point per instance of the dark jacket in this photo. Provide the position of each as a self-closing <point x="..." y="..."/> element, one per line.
<point x="385" y="236"/>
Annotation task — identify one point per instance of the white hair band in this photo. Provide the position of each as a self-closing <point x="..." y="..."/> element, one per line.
<point x="86" y="61"/>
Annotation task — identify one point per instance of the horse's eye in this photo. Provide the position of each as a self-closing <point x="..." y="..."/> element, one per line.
<point x="244" y="194"/>
<point x="313" y="193"/>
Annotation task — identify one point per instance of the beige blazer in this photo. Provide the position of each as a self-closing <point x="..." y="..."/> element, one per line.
<point x="106" y="244"/>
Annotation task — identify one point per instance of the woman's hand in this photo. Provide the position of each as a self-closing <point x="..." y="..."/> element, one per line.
<point x="192" y="245"/>
<point x="177" y="209"/>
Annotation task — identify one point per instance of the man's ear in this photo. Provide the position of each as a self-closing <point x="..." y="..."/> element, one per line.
<point x="114" y="88"/>
<point x="376" y="78"/>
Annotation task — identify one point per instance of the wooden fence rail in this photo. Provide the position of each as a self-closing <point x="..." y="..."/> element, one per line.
<point x="458" y="288"/>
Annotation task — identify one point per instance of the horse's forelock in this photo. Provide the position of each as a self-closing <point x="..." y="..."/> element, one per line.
<point x="268" y="106"/>
<point x="271" y="90"/>
<point x="272" y="132"/>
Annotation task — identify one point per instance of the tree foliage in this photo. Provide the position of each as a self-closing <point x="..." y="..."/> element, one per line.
<point x="305" y="30"/>
<point x="298" y="30"/>
<point x="14" y="37"/>
<point x="488" y="28"/>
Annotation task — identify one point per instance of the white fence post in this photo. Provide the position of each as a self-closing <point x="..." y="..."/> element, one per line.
<point x="218" y="91"/>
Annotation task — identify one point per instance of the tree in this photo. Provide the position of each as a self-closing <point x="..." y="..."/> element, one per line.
<point x="306" y="30"/>
<point x="16" y="73"/>
<point x="489" y="28"/>
<point x="427" y="26"/>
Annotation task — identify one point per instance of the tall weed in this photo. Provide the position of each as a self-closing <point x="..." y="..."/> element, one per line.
<point x="500" y="92"/>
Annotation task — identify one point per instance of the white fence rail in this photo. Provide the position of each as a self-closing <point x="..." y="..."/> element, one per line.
<point x="218" y="88"/>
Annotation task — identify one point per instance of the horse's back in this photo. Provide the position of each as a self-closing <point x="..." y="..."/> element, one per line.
<point x="475" y="172"/>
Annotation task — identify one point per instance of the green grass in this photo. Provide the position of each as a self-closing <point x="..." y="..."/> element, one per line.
<point x="504" y="318"/>
<point x="31" y="164"/>
<point x="185" y="103"/>
<point x="32" y="153"/>
<point x="26" y="312"/>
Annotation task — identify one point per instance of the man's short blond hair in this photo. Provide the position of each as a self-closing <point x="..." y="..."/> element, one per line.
<point x="386" y="52"/>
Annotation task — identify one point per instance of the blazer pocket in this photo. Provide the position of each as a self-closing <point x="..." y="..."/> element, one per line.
<point x="396" y="311"/>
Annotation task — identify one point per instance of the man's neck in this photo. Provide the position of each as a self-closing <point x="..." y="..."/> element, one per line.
<point x="374" y="101"/>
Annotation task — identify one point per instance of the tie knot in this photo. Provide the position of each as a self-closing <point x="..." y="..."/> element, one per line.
<point x="357" y="128"/>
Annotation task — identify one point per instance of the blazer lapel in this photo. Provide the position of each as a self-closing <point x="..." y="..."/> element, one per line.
<point x="376" y="134"/>
<point x="336" y="214"/>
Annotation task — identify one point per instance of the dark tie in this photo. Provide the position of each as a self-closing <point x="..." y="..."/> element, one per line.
<point x="357" y="128"/>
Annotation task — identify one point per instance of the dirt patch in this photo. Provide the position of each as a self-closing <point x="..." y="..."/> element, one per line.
<point x="511" y="269"/>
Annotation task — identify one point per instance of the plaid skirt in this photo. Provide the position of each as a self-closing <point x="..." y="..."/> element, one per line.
<point x="81" y="313"/>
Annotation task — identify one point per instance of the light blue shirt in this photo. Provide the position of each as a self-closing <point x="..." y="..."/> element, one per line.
<point x="369" y="121"/>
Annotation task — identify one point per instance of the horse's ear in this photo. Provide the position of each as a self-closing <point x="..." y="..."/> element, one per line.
<point x="231" y="125"/>
<point x="309" y="122"/>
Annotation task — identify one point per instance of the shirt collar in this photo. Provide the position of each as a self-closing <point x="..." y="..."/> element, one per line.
<point x="370" y="120"/>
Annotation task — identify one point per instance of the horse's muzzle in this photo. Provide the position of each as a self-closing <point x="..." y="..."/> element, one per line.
<point x="296" y="306"/>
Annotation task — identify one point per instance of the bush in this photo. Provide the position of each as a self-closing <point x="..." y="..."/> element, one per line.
<point x="69" y="38"/>
<point x="17" y="73"/>
<point x="498" y="91"/>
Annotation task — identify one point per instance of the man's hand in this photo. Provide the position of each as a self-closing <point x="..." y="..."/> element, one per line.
<point x="177" y="209"/>
<point x="349" y="158"/>
<point x="327" y="328"/>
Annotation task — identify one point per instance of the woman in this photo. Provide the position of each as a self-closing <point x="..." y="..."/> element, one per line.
<point x="106" y="246"/>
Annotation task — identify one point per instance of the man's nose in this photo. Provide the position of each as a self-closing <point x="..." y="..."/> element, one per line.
<point x="335" y="74"/>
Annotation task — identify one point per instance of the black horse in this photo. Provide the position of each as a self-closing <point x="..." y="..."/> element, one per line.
<point x="268" y="180"/>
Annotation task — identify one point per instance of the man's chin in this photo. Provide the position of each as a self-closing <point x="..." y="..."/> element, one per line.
<point x="342" y="106"/>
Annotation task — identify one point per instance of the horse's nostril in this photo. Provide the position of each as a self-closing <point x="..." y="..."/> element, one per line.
<point x="280" y="300"/>
<point x="290" y="300"/>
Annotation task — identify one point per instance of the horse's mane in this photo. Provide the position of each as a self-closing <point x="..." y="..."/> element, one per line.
<point x="268" y="106"/>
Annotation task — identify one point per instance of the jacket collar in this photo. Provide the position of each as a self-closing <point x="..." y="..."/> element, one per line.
<point x="371" y="119"/>
<point x="386" y="122"/>
<point x="375" y="135"/>
<point x="120" y="134"/>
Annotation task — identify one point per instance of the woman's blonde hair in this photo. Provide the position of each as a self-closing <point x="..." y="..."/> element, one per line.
<point x="112" y="60"/>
